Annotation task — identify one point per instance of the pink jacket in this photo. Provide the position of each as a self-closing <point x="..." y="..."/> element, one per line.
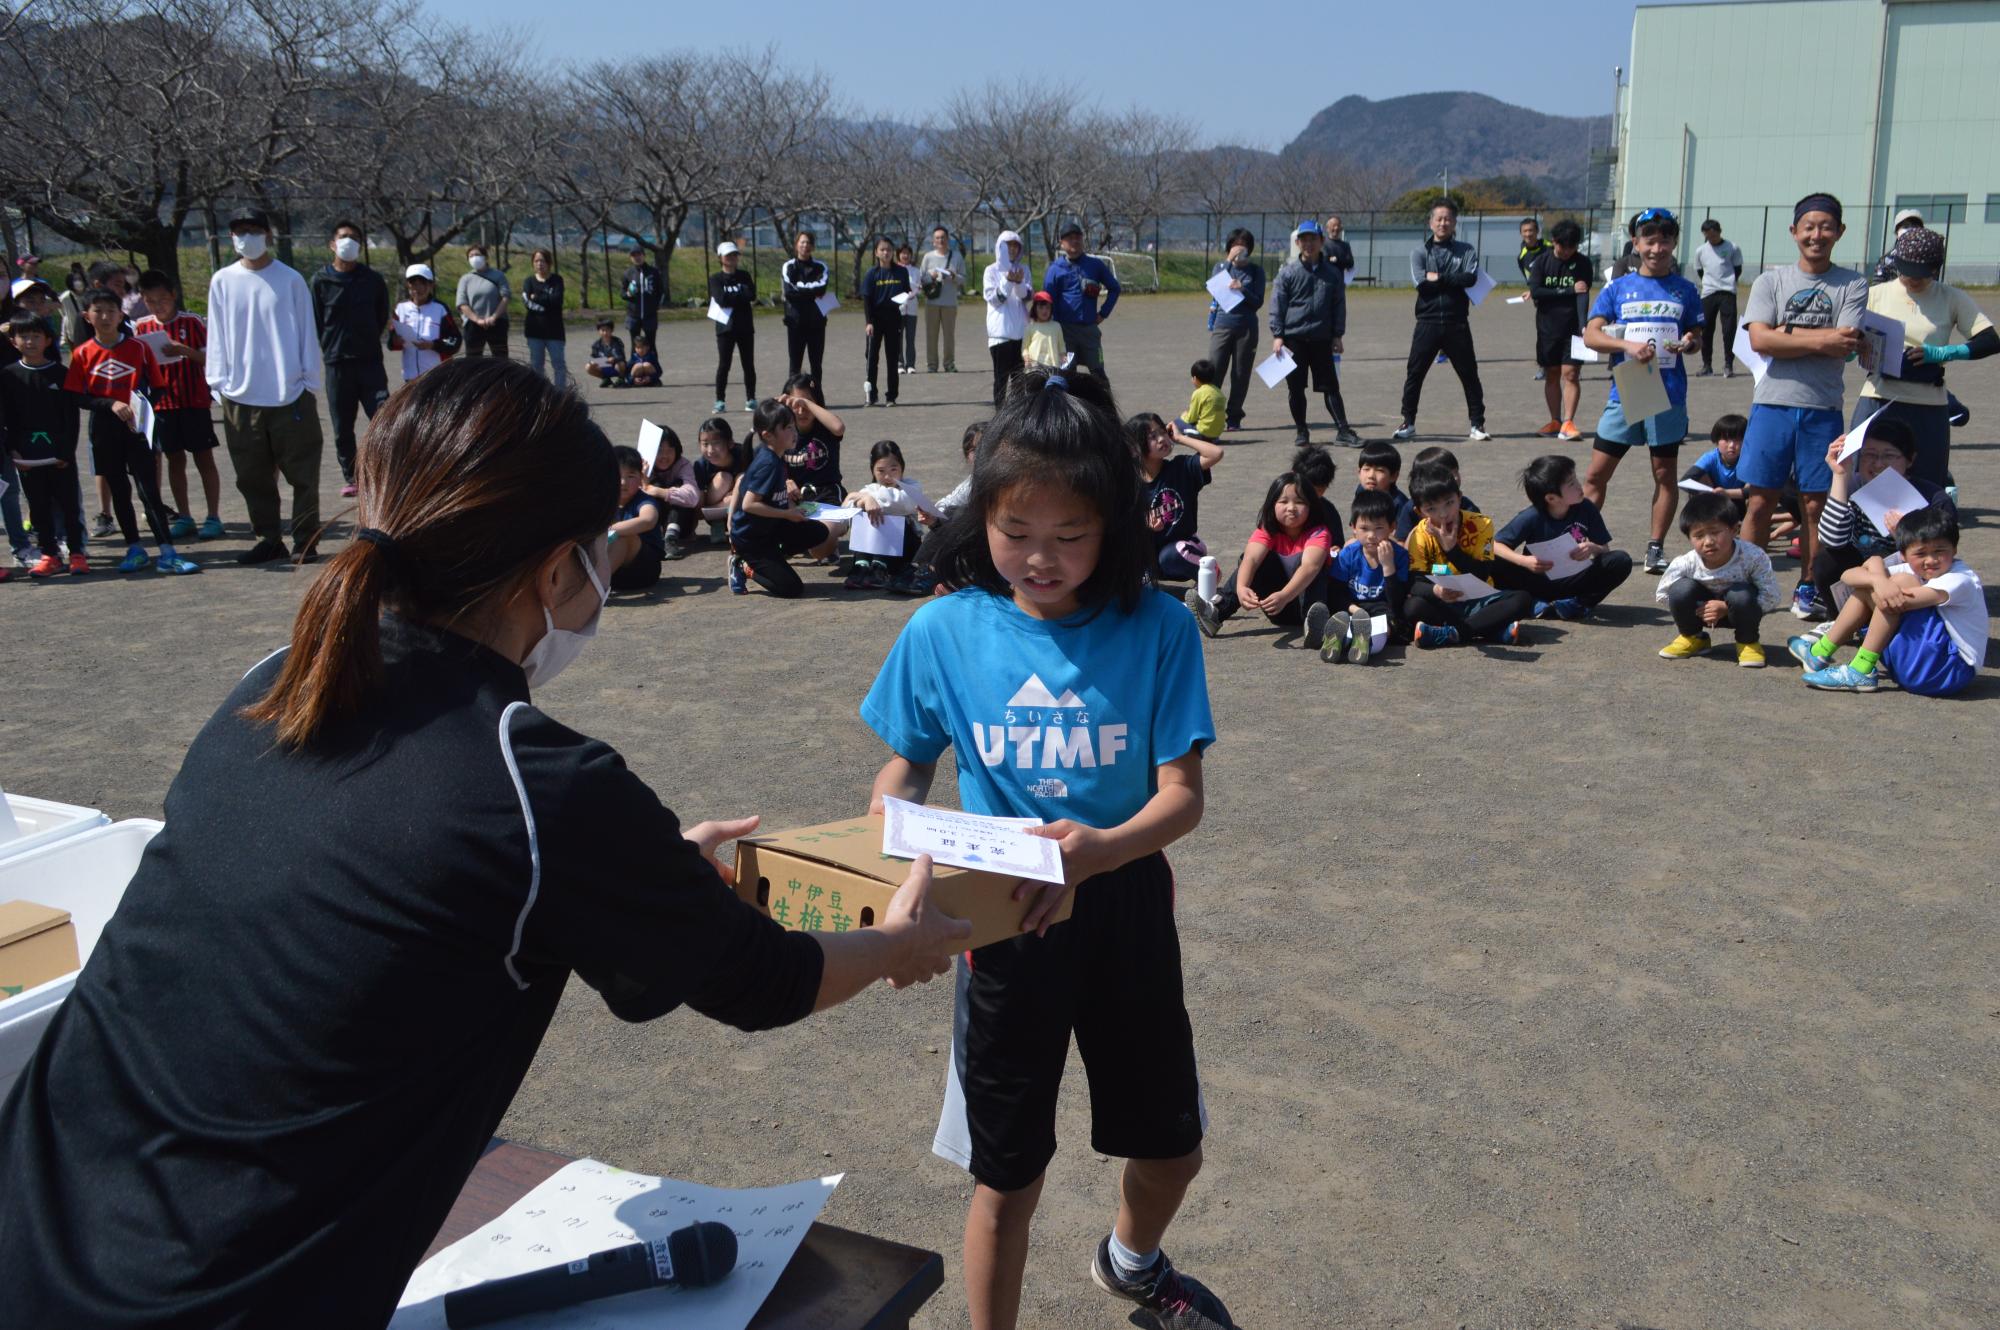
<point x="679" y="484"/>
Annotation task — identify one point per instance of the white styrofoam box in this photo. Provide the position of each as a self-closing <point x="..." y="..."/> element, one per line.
<point x="86" y="874"/>
<point x="41" y="821"/>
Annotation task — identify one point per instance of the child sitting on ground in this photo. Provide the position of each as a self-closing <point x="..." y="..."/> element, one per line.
<point x="765" y="528"/>
<point x="1377" y="468"/>
<point x="1723" y="579"/>
<point x="1206" y="410"/>
<point x="1371" y="576"/>
<point x="1434" y="456"/>
<point x="181" y="424"/>
<point x="1283" y="568"/>
<point x="813" y="466"/>
<point x="644" y="369"/>
<point x="1557" y="508"/>
<point x="1043" y="343"/>
<point x="607" y="362"/>
<point x="1847" y="538"/>
<point x="1716" y="468"/>
<point x="636" y="541"/>
<point x="1173" y="488"/>
<point x="424" y="330"/>
<point x="1922" y="612"/>
<point x="676" y="486"/>
<point x="715" y="474"/>
<point x="887" y="495"/>
<point x="1449" y="540"/>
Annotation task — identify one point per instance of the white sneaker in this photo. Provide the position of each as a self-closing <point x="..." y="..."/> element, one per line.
<point x="1478" y="435"/>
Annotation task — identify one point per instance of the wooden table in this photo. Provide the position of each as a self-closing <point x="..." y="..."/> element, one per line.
<point x="838" y="1280"/>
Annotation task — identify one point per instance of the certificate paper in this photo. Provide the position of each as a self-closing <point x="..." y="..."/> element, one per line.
<point x="1225" y="299"/>
<point x="967" y="840"/>
<point x="1472" y="588"/>
<point x="1560" y="551"/>
<point x="1642" y="393"/>
<point x="1482" y="286"/>
<point x="1275" y="367"/>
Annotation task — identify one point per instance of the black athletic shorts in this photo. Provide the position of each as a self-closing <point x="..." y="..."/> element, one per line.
<point x="1112" y="974"/>
<point x="1552" y="344"/>
<point x="186" y="429"/>
<point x="641" y="573"/>
<point x="792" y="538"/>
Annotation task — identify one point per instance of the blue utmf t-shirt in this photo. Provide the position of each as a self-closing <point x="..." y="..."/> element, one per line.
<point x="1051" y="718"/>
<point x="1365" y="582"/>
<point x="765" y="478"/>
<point x="1653" y="309"/>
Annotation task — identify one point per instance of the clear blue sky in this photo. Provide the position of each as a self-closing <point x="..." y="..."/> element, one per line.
<point x="1162" y="55"/>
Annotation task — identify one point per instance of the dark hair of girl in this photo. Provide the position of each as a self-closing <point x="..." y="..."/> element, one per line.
<point x="1545" y="476"/>
<point x="668" y="439"/>
<point x="968" y="443"/>
<point x="771" y="415"/>
<point x="1058" y="431"/>
<point x="1267" y="516"/>
<point x="806" y="384"/>
<point x="719" y="426"/>
<point x="1139" y="433"/>
<point x="473" y="473"/>
<point x="886" y="448"/>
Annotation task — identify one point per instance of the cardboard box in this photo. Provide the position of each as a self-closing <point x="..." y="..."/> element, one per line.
<point x="37" y="944"/>
<point x="834" y="877"/>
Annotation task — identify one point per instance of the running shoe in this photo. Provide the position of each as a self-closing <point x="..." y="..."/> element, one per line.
<point x="1316" y="617"/>
<point x="1333" y="645"/>
<point x="211" y="529"/>
<point x="78" y="565"/>
<point x="1569" y="432"/>
<point x="720" y="406"/>
<point x="181" y="527"/>
<point x="1801" y="650"/>
<point x="135" y="561"/>
<point x="1684" y="647"/>
<point x="46" y="566"/>
<point x="268" y="550"/>
<point x="1478" y="434"/>
<point x="1841" y="679"/>
<point x="1807" y="605"/>
<point x="1203" y="612"/>
<point x="1406" y="432"/>
<point x="1656" y="556"/>
<point x="101" y="526"/>
<point x="1510" y="635"/>
<point x="1550" y="430"/>
<point x="1176" y="1301"/>
<point x="173" y="563"/>
<point x="749" y="404"/>
<point x="1346" y="437"/>
<point x="1565" y="608"/>
<point x="739" y="582"/>
<point x="1431" y="635"/>
<point x="1750" y="655"/>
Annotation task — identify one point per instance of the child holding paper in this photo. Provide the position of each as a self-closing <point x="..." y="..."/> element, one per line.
<point x="1043" y="344"/>
<point x="1072" y="692"/>
<point x="423" y="329"/>
<point x="1447" y="541"/>
<point x="1716" y="468"/>
<point x="887" y="495"/>
<point x="766" y="529"/>
<point x="644" y="369"/>
<point x="636" y="542"/>
<point x="181" y="424"/>
<point x="1922" y="612"/>
<point x="41" y="435"/>
<point x="1206" y="409"/>
<point x="1557" y="511"/>
<point x="1658" y="312"/>
<point x="1173" y="492"/>
<point x="113" y="370"/>
<point x="674" y="483"/>
<point x="1371" y="574"/>
<point x="607" y="357"/>
<point x="1283" y="568"/>
<point x="1723" y="579"/>
<point x="1847" y="537"/>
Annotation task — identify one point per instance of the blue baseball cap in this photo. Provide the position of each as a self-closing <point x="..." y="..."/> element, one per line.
<point x="1309" y="228"/>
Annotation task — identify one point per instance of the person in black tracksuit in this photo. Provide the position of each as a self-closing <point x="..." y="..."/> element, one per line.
<point x="1442" y="268"/>
<point x="351" y="309"/>
<point x="804" y="281"/>
<point x="643" y="293"/>
<point x="736" y="291"/>
<point x="879" y="289"/>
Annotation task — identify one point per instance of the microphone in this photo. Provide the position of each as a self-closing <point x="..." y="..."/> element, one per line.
<point x="692" y="1257"/>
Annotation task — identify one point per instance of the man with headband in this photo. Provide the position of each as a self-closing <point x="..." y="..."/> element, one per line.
<point x="1807" y="319"/>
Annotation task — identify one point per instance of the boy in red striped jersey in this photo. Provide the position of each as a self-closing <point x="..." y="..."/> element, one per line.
<point x="112" y="370"/>
<point x="181" y="424"/>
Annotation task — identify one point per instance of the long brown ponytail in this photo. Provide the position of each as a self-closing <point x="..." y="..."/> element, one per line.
<point x="469" y="476"/>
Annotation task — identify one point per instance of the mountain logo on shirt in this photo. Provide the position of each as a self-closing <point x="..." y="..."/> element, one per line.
<point x="1040" y="729"/>
<point x="1810" y="307"/>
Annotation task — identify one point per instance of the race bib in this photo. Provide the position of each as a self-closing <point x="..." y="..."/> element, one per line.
<point x="1662" y="335"/>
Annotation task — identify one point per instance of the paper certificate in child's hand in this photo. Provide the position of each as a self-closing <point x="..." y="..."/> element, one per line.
<point x="967" y="840"/>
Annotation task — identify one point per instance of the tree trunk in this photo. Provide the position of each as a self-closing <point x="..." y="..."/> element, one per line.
<point x="665" y="237"/>
<point x="160" y="245"/>
<point x="214" y="225"/>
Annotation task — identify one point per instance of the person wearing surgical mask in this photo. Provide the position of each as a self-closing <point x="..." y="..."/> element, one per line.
<point x="351" y="308"/>
<point x="482" y="299"/>
<point x="384" y="859"/>
<point x="264" y="363"/>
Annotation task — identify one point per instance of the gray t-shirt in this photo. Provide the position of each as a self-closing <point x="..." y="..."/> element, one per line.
<point x="1717" y="265"/>
<point x="486" y="291"/>
<point x="1789" y="298"/>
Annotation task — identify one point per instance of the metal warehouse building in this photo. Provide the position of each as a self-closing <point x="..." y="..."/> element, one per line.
<point x="1735" y="110"/>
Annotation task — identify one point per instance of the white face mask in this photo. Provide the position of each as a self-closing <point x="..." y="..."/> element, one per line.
<point x="249" y="245"/>
<point x="477" y="261"/>
<point x="560" y="646"/>
<point x="347" y="249"/>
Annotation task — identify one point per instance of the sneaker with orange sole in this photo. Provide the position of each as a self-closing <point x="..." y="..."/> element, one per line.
<point x="46" y="566"/>
<point x="1550" y="430"/>
<point x="79" y="563"/>
<point x="1569" y="431"/>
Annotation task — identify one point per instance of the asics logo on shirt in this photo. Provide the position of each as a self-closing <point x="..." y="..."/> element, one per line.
<point x="1039" y="729"/>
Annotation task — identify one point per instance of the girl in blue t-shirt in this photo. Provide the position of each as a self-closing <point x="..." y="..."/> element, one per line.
<point x="1073" y="692"/>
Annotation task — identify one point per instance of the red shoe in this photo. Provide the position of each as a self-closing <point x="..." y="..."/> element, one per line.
<point x="79" y="564"/>
<point x="1794" y="550"/>
<point x="46" y="566"/>
<point x="1550" y="430"/>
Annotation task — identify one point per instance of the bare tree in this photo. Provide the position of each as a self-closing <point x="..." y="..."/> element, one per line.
<point x="874" y="184"/>
<point x="1019" y="148"/>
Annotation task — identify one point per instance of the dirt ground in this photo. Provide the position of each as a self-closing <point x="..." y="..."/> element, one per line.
<point x="1547" y="986"/>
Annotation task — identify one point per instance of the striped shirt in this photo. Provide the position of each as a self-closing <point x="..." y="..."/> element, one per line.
<point x="186" y="382"/>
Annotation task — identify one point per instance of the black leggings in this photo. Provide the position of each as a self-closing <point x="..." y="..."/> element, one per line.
<point x="1454" y="342"/>
<point x="1685" y="599"/>
<point x="1484" y="618"/>
<point x="1604" y="576"/>
<point x="1006" y="364"/>
<point x="1718" y="313"/>
<point x="884" y="340"/>
<point x="806" y="346"/>
<point x="727" y="341"/>
<point x="1269" y="577"/>
<point x="55" y="502"/>
<point x="121" y="457"/>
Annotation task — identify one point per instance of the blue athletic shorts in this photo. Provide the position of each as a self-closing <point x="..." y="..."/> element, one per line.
<point x="1923" y="659"/>
<point x="1615" y="434"/>
<point x="1789" y="443"/>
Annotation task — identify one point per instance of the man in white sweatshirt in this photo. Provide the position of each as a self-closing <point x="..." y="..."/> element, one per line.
<point x="264" y="363"/>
